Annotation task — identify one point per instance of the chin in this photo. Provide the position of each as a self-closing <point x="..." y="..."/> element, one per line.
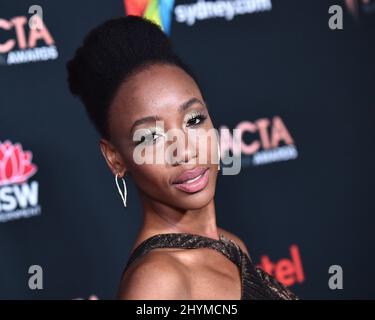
<point x="194" y="201"/>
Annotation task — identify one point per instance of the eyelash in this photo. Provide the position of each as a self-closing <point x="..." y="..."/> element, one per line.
<point x="194" y="116"/>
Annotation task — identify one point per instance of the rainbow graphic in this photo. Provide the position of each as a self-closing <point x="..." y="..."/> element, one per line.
<point x="158" y="11"/>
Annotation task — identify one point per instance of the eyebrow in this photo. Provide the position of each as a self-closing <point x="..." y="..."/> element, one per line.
<point x="187" y="104"/>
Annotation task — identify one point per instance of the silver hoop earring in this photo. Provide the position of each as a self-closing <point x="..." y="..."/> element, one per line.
<point x="123" y="196"/>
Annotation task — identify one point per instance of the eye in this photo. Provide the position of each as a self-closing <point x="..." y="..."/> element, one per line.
<point x="195" y="119"/>
<point x="149" y="137"/>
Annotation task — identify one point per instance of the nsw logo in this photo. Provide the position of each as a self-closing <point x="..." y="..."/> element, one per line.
<point x="18" y="195"/>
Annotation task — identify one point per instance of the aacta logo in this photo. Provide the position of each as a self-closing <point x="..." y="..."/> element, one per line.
<point x="23" y="44"/>
<point x="258" y="142"/>
<point x="158" y="11"/>
<point x="18" y="196"/>
<point x="286" y="271"/>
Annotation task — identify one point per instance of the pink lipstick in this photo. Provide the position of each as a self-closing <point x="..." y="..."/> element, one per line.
<point x="192" y="180"/>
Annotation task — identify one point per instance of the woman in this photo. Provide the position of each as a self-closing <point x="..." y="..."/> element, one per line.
<point x="130" y="80"/>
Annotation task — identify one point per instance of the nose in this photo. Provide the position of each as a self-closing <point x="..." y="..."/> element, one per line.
<point x="182" y="150"/>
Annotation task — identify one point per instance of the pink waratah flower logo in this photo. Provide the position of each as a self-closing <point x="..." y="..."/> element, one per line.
<point x="15" y="164"/>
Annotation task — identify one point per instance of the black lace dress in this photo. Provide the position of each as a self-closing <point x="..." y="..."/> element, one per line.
<point x="255" y="283"/>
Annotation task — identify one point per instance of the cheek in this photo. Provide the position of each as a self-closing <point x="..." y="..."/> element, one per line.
<point x="212" y="141"/>
<point x="149" y="177"/>
<point x="208" y="150"/>
<point x="144" y="175"/>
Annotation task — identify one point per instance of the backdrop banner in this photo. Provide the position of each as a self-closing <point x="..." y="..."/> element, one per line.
<point x="296" y="77"/>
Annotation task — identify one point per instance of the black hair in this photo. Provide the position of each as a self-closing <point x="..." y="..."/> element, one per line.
<point x="109" y="55"/>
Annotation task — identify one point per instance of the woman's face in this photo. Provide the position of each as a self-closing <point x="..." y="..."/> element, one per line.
<point x="163" y="95"/>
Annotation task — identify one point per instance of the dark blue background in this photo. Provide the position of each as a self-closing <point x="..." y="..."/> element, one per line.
<point x="283" y="62"/>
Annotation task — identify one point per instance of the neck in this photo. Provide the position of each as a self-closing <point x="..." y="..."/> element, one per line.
<point x="160" y="218"/>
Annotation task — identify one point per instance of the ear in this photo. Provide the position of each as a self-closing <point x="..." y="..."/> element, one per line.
<point x="112" y="157"/>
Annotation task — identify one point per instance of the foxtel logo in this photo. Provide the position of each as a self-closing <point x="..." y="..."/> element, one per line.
<point x="18" y="195"/>
<point x="288" y="271"/>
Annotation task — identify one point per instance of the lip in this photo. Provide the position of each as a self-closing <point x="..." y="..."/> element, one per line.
<point x="192" y="180"/>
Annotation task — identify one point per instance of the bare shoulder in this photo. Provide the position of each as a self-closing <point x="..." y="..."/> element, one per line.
<point x="235" y="238"/>
<point x="157" y="276"/>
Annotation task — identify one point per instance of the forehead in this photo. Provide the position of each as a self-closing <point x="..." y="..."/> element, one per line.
<point x="157" y="90"/>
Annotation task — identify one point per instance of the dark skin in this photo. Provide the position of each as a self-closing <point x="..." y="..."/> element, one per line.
<point x="169" y="273"/>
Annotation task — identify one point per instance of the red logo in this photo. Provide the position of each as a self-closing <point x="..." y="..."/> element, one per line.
<point x="270" y="142"/>
<point x="23" y="44"/>
<point x="15" y="163"/>
<point x="23" y="39"/>
<point x="286" y="271"/>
